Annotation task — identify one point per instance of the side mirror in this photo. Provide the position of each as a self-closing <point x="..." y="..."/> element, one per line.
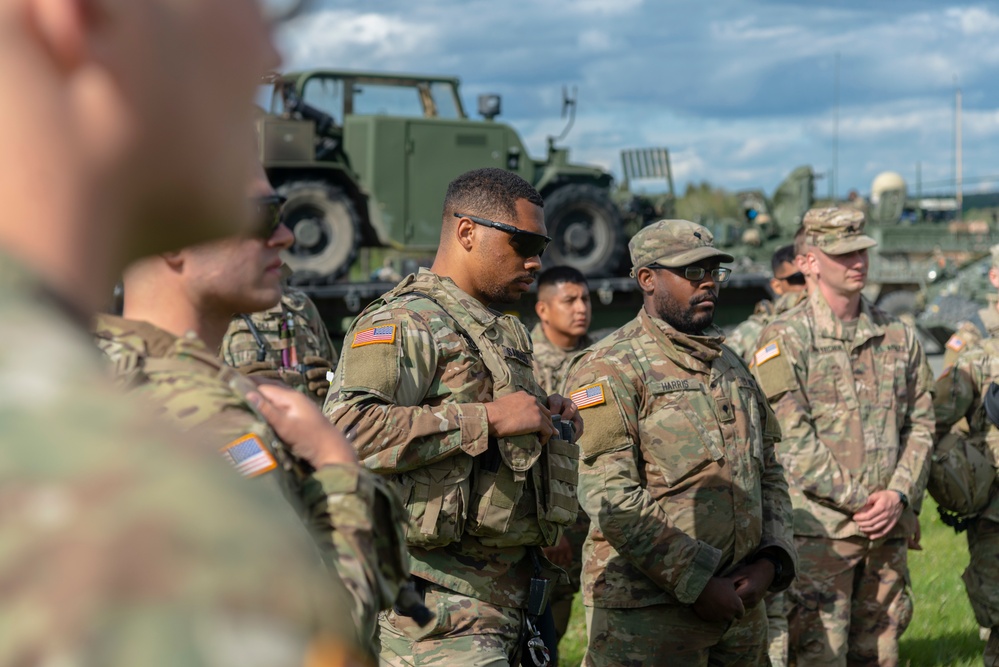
<point x="489" y="106"/>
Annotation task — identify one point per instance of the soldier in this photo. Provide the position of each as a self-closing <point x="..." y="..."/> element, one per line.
<point x="788" y="284"/>
<point x="856" y="452"/>
<point x="961" y="393"/>
<point x="564" y="314"/>
<point x="288" y="341"/>
<point x="690" y="517"/>
<point x="119" y="545"/>
<point x="971" y="333"/>
<point x="436" y="391"/>
<point x="177" y="309"/>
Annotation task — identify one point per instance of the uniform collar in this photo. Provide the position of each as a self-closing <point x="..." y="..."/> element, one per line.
<point x="827" y="325"/>
<point x="540" y="340"/>
<point x="691" y="352"/>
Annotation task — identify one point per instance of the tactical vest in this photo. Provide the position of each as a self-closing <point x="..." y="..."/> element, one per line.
<point x="516" y="493"/>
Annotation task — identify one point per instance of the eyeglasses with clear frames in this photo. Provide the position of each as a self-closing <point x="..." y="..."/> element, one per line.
<point x="696" y="273"/>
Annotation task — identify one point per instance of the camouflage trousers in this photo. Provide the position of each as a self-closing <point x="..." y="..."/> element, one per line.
<point x="673" y="635"/>
<point x="849" y="604"/>
<point x="981" y="581"/>
<point x="466" y="631"/>
<point x="561" y="599"/>
<point x="777" y="640"/>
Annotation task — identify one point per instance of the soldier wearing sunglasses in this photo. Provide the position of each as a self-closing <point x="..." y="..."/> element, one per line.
<point x="437" y="392"/>
<point x="690" y="520"/>
<point x="788" y="285"/>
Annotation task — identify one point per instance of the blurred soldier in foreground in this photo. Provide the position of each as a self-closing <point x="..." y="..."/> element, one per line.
<point x="564" y="314"/>
<point x="177" y="308"/>
<point x="986" y="325"/>
<point x="120" y="544"/>
<point x="961" y="394"/>
<point x="788" y="284"/>
<point x="691" y="521"/>
<point x="288" y="342"/>
<point x="851" y="387"/>
<point x="437" y="390"/>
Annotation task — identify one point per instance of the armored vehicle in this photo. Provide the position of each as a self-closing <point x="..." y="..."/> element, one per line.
<point x="364" y="159"/>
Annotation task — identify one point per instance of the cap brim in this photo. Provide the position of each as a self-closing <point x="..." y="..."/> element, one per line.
<point x="852" y="244"/>
<point x="691" y="256"/>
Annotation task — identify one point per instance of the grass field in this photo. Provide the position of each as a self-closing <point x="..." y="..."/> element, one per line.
<point x="943" y="632"/>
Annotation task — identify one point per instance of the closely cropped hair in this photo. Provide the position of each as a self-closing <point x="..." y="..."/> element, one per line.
<point x="490" y="193"/>
<point x="783" y="255"/>
<point x="560" y="274"/>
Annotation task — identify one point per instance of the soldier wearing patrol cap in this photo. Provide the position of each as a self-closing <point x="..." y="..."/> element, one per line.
<point x="963" y="393"/>
<point x="436" y="392"/>
<point x="985" y="324"/>
<point x="689" y="509"/>
<point x="851" y="387"/>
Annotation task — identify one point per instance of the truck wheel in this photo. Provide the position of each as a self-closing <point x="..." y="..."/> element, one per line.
<point x="586" y="230"/>
<point x="327" y="231"/>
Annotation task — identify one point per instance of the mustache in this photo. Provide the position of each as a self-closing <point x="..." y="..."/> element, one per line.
<point x="713" y="298"/>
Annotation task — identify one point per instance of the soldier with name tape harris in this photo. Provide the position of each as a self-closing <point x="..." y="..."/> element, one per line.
<point x="689" y="509"/>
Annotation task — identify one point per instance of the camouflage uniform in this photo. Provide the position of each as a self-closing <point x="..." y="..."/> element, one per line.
<point x="856" y="413"/>
<point x="550" y="365"/>
<point x="743" y="338"/>
<point x="291" y="336"/>
<point x="679" y="478"/>
<point x="415" y="370"/>
<point x="356" y="519"/>
<point x="971" y="333"/>
<point x="121" y="546"/>
<point x="959" y="394"/>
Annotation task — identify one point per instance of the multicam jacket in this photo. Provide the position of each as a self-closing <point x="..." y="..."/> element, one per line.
<point x="415" y="372"/>
<point x="678" y="472"/>
<point x="958" y="395"/>
<point x="970" y="333"/>
<point x="857" y="415"/>
<point x="286" y="335"/>
<point x="356" y="518"/>
<point x="119" y="544"/>
<point x="551" y="361"/>
<point x="743" y="338"/>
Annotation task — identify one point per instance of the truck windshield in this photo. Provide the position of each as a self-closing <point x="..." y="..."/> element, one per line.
<point x="325" y="94"/>
<point x="445" y="99"/>
<point x="386" y="100"/>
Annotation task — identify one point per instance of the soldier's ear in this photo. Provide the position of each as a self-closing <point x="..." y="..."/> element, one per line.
<point x="646" y="279"/>
<point x="541" y="309"/>
<point x="464" y="233"/>
<point x="175" y="260"/>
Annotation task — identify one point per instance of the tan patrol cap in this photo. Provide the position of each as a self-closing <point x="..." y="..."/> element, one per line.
<point x="673" y="243"/>
<point x="836" y="231"/>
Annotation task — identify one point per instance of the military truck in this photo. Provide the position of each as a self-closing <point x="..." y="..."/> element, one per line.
<point x="364" y="159"/>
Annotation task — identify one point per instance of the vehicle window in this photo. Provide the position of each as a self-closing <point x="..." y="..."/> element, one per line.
<point x="444" y="98"/>
<point x="384" y="100"/>
<point x="326" y="95"/>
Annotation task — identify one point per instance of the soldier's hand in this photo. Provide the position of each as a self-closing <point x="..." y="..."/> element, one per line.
<point x="262" y="370"/>
<point x="562" y="406"/>
<point x="719" y="601"/>
<point x="879" y="515"/>
<point x="561" y="553"/>
<point x="519" y="414"/>
<point x="315" y="375"/>
<point x="752" y="581"/>
<point x="302" y="427"/>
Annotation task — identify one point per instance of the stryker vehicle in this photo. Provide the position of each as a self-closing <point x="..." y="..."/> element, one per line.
<point x="365" y="158"/>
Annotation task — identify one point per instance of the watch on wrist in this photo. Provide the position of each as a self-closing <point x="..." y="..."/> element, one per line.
<point x="904" y="498"/>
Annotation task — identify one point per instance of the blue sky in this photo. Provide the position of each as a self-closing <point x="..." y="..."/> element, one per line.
<point x="740" y="91"/>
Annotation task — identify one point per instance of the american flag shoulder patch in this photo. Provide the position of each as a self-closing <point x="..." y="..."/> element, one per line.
<point x="249" y="456"/>
<point x="766" y="353"/>
<point x="588" y="396"/>
<point x="381" y="334"/>
<point x="955" y="343"/>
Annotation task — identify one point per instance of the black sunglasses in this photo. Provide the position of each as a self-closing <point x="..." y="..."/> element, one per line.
<point x="268" y="214"/>
<point x="796" y="278"/>
<point x="696" y="273"/>
<point x="527" y="244"/>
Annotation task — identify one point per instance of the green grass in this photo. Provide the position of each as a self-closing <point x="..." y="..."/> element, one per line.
<point x="943" y="632"/>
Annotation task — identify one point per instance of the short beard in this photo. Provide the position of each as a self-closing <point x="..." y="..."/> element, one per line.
<point x="682" y="317"/>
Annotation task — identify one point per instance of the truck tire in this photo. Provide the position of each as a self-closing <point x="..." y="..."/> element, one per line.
<point x="586" y="231"/>
<point x="327" y="231"/>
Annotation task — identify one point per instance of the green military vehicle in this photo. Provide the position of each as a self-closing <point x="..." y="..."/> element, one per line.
<point x="364" y="159"/>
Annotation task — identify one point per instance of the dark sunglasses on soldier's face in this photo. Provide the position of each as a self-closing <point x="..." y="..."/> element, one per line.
<point x="796" y="278"/>
<point x="268" y="214"/>
<point x="696" y="273"/>
<point x="527" y="244"/>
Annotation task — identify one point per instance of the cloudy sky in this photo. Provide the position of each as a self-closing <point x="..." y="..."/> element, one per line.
<point x="740" y="91"/>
